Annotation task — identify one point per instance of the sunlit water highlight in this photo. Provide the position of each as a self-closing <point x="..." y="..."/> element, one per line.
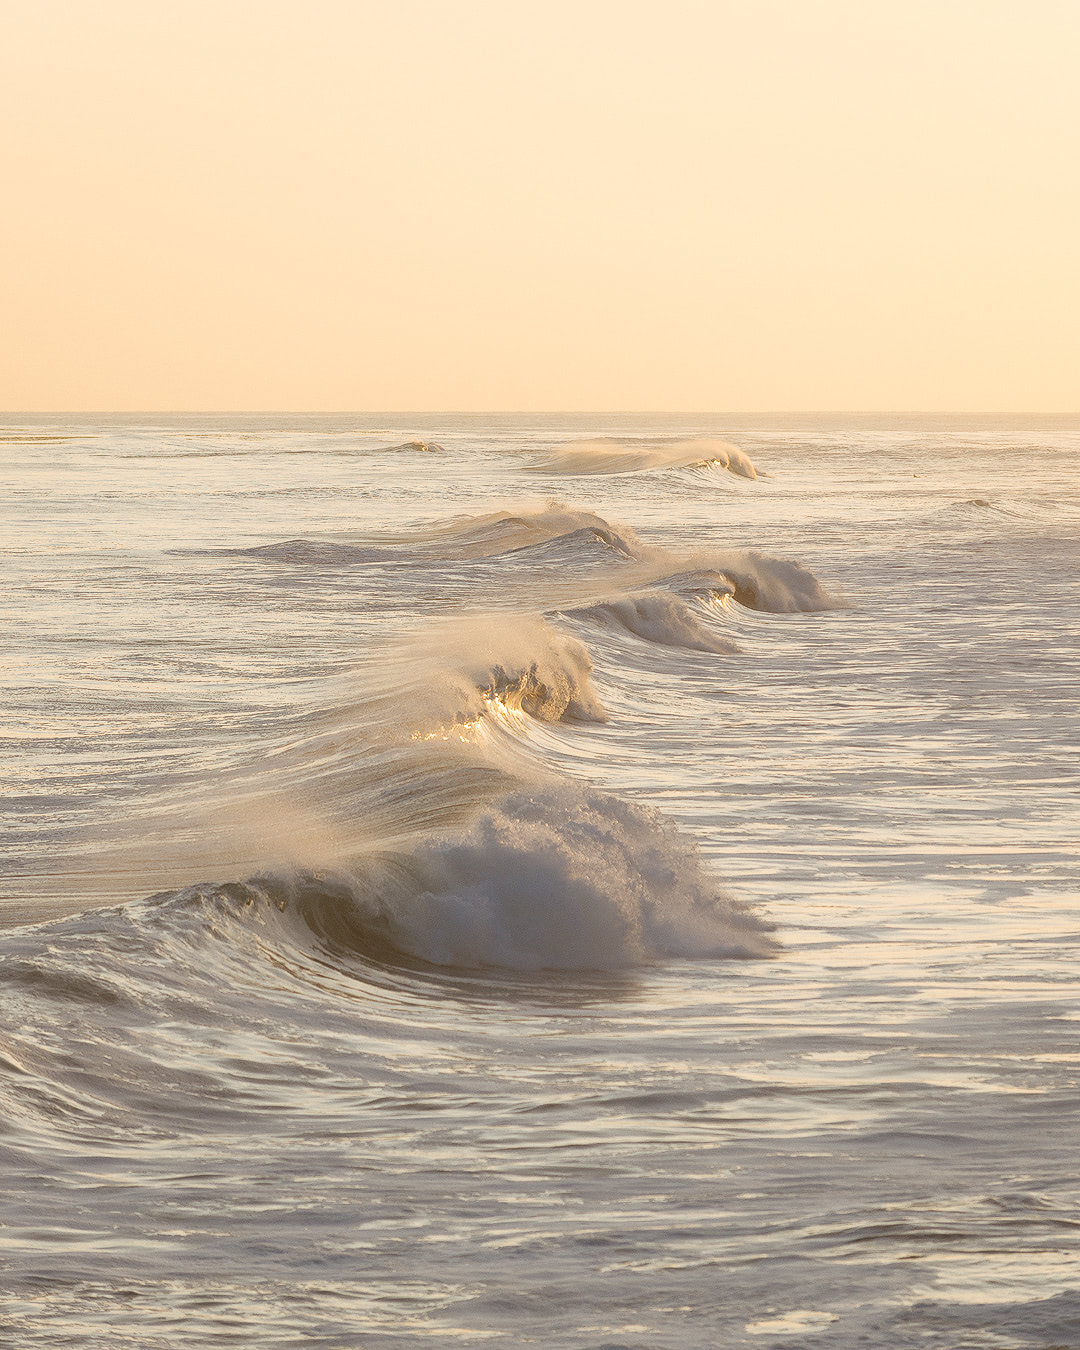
<point x="522" y="880"/>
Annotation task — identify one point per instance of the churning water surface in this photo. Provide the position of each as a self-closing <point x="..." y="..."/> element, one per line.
<point x="592" y="882"/>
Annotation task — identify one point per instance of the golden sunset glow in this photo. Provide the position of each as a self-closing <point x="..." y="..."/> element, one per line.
<point x="802" y="204"/>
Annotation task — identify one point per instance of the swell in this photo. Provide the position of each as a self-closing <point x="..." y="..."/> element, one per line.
<point x="550" y="534"/>
<point x="303" y="553"/>
<point x="514" y="528"/>
<point x="423" y="447"/>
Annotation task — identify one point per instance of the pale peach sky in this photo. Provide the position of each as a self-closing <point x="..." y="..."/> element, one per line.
<point x="604" y="204"/>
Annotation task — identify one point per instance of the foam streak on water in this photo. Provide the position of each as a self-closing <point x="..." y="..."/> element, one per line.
<point x="593" y="882"/>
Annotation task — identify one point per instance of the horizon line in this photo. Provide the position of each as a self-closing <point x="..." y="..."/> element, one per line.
<point x="538" y="412"/>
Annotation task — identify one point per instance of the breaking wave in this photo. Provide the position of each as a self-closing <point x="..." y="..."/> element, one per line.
<point x="773" y="585"/>
<point x="517" y="660"/>
<point x="755" y="580"/>
<point x="559" y="878"/>
<point x="614" y="456"/>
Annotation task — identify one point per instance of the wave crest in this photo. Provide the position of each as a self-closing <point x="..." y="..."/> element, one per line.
<point x="521" y="662"/>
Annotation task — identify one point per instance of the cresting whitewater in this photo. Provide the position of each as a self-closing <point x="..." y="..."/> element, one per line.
<point x="579" y="881"/>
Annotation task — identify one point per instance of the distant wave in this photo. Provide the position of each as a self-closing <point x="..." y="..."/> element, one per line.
<point x="773" y="585"/>
<point x="557" y="534"/>
<point x="511" y="531"/>
<point x="577" y="546"/>
<point x="10" y="436"/>
<point x="978" y="505"/>
<point x="613" y="456"/>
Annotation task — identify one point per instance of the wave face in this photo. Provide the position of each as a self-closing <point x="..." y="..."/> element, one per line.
<point x="611" y="456"/>
<point x="658" y="617"/>
<point x="526" y="526"/>
<point x="430" y="911"/>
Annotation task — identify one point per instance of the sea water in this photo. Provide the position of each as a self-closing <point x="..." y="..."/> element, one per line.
<point x="586" y="881"/>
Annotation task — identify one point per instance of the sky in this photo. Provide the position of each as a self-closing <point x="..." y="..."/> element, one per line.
<point x="714" y="205"/>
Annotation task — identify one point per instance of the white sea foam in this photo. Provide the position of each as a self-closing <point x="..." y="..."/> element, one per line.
<point x="562" y="878"/>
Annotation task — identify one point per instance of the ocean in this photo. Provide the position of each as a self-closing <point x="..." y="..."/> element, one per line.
<point x="573" y="880"/>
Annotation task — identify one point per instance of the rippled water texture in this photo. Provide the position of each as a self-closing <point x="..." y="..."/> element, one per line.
<point x="588" y="882"/>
